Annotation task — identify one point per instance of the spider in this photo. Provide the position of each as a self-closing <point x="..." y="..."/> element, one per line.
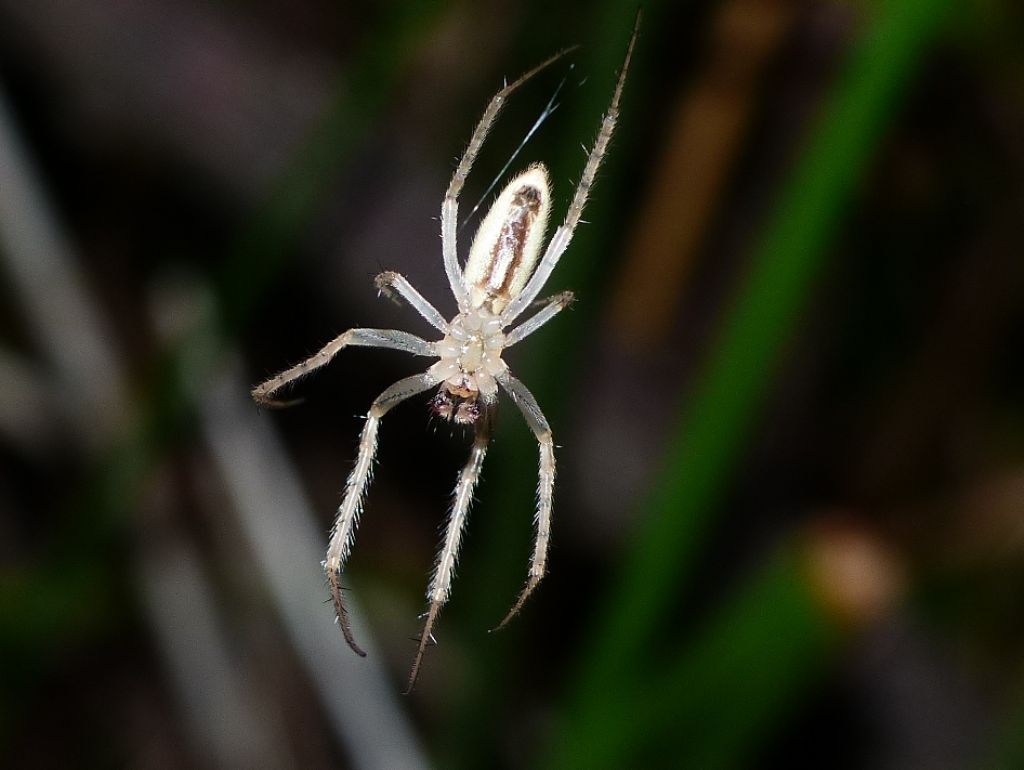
<point x="503" y="275"/>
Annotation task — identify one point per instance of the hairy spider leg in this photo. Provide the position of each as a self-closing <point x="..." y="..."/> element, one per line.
<point x="347" y="517"/>
<point x="386" y="282"/>
<point x="527" y="404"/>
<point x="444" y="568"/>
<point x="552" y="307"/>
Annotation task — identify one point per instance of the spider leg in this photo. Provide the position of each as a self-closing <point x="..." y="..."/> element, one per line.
<point x="444" y="569"/>
<point x="552" y="307"/>
<point x="545" y="486"/>
<point x="372" y="338"/>
<point x="450" y="206"/>
<point x="563" y="235"/>
<point x="345" y="521"/>
<point x="385" y="282"/>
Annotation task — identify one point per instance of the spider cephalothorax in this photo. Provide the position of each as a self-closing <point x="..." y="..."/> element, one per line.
<point x="470" y="356"/>
<point x="507" y="268"/>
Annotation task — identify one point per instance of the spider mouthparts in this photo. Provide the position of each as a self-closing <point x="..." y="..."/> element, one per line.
<point x="442" y="405"/>
<point x="458" y="409"/>
<point x="467" y="413"/>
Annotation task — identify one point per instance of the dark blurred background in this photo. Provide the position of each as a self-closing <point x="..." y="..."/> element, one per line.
<point x="789" y="518"/>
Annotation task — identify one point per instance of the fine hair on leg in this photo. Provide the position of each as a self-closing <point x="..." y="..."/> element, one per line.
<point x="444" y="568"/>
<point x="545" y="486"/>
<point x="347" y="517"/>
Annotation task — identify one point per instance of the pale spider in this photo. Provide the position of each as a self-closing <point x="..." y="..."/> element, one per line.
<point x="502" y="278"/>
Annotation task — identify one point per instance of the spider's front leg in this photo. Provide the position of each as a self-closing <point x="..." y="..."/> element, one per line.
<point x="440" y="584"/>
<point x="450" y="206"/>
<point x="347" y="518"/>
<point x="545" y="485"/>
<point x="563" y="235"/>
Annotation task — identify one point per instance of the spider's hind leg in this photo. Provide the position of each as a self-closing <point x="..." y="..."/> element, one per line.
<point x="341" y="611"/>
<point x="563" y="235"/>
<point x="450" y="206"/>
<point x="440" y="584"/>
<point x="545" y="487"/>
<point x="347" y="518"/>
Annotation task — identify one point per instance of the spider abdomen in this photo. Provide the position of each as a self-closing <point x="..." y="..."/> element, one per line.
<point x="508" y="243"/>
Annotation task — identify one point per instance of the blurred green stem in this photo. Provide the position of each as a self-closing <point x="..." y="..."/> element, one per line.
<point x="730" y="686"/>
<point x="720" y="416"/>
